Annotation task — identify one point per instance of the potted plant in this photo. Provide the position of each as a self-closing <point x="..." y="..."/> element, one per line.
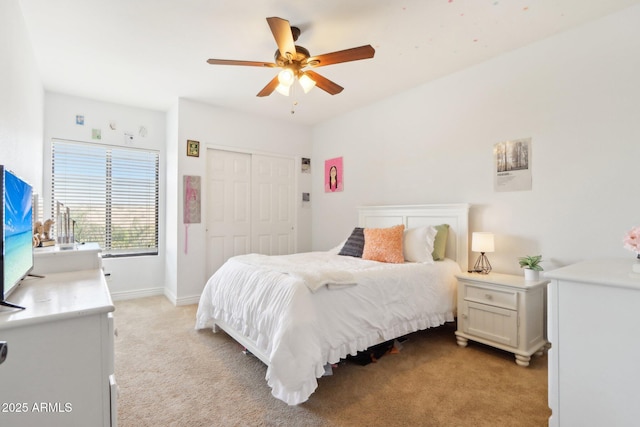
<point x="531" y="265"/>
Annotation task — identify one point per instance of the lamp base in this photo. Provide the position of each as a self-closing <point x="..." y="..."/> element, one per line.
<point x="482" y="265"/>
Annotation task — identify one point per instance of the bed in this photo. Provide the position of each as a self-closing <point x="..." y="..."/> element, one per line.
<point x="298" y="313"/>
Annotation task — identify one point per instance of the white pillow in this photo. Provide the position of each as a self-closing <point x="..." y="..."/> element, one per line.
<point x="418" y="244"/>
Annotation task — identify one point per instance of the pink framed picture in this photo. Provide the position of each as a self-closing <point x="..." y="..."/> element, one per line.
<point x="333" y="175"/>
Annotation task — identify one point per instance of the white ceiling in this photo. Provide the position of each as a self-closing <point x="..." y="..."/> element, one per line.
<point x="148" y="53"/>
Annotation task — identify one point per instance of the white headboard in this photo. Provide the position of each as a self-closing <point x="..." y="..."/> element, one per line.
<point x="456" y="215"/>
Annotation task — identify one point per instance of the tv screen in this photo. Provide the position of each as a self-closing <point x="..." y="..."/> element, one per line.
<point x="17" y="232"/>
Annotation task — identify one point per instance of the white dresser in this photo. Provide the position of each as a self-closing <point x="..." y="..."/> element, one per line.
<point x="59" y="369"/>
<point x="594" y="330"/>
<point x="52" y="259"/>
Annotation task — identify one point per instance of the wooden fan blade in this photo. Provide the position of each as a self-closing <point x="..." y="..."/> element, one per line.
<point x="324" y="83"/>
<point x="233" y="62"/>
<point x="269" y="88"/>
<point x="353" y="54"/>
<point x="284" y="38"/>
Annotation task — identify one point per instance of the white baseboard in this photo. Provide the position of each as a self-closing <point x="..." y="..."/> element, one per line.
<point x="194" y="299"/>
<point x="140" y="293"/>
<point x="152" y="292"/>
<point x="188" y="300"/>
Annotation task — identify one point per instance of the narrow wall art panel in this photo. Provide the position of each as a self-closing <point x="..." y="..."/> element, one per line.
<point x="192" y="199"/>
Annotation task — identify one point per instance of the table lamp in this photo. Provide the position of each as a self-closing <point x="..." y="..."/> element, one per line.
<point x="482" y="242"/>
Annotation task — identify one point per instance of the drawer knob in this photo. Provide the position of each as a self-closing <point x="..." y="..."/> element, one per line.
<point x="488" y="296"/>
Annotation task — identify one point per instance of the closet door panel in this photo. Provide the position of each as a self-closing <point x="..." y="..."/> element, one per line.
<point x="273" y="185"/>
<point x="228" y="206"/>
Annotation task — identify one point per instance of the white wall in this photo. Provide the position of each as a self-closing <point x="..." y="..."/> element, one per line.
<point x="171" y="209"/>
<point x="575" y="94"/>
<point x="21" y="98"/>
<point x="129" y="276"/>
<point x="219" y="128"/>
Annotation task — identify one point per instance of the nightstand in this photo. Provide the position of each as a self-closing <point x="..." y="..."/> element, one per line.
<point x="503" y="311"/>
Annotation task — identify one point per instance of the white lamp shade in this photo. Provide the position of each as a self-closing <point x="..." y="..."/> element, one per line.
<point x="282" y="89"/>
<point x="306" y="82"/>
<point x="286" y="77"/>
<point x="482" y="242"/>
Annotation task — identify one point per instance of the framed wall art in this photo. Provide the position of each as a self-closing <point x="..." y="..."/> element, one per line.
<point x="512" y="165"/>
<point x="333" y="175"/>
<point x="305" y="165"/>
<point x="193" y="148"/>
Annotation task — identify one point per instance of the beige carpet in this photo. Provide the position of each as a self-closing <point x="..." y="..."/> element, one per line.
<point x="172" y="375"/>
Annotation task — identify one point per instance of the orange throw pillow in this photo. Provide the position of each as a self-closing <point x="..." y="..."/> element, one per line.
<point x="384" y="244"/>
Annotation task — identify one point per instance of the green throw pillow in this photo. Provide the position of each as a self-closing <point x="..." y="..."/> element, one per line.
<point x="440" y="242"/>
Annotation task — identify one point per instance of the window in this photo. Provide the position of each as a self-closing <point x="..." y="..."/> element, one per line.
<point x="111" y="193"/>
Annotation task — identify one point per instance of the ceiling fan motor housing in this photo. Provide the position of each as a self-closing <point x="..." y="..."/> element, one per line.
<point x="297" y="60"/>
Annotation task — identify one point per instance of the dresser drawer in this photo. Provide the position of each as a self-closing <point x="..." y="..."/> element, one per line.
<point x="492" y="296"/>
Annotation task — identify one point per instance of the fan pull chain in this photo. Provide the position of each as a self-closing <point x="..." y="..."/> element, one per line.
<point x="294" y="104"/>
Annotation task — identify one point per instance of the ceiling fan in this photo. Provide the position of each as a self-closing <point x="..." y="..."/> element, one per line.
<point x="295" y="59"/>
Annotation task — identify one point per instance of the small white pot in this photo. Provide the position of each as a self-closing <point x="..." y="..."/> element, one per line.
<point x="531" y="275"/>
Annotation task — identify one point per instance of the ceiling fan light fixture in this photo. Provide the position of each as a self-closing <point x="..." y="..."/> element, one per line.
<point x="282" y="89"/>
<point x="306" y="82"/>
<point x="286" y="77"/>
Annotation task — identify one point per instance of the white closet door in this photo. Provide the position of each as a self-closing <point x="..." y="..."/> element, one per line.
<point x="250" y="206"/>
<point x="228" y="206"/>
<point x="272" y="194"/>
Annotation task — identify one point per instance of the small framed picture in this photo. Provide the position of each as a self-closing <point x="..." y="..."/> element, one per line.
<point x="193" y="148"/>
<point x="305" y="165"/>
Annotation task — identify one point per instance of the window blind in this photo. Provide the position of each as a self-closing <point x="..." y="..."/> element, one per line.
<point x="111" y="193"/>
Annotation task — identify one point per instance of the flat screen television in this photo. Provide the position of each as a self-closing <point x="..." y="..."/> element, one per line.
<point x="16" y="217"/>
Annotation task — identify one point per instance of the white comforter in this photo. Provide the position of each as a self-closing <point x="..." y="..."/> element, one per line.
<point x="301" y="330"/>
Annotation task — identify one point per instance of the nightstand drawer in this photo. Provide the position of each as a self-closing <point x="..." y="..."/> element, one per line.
<point x="500" y="298"/>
